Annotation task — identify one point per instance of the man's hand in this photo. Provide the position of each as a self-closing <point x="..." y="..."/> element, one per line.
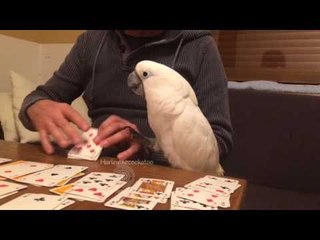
<point x="53" y="118"/>
<point x="111" y="132"/>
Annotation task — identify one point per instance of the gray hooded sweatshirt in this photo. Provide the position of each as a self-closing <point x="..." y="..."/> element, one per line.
<point x="98" y="66"/>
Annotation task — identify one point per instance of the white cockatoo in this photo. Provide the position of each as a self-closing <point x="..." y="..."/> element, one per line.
<point x="182" y="132"/>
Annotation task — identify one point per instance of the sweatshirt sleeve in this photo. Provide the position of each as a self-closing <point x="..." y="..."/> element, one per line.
<point x="212" y="93"/>
<point x="66" y="84"/>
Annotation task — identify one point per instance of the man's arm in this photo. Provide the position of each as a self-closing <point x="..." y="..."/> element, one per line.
<point x="47" y="108"/>
<point x="65" y="85"/>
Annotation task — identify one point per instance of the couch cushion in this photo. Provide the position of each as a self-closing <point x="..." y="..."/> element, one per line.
<point x="276" y="139"/>
<point x="21" y="87"/>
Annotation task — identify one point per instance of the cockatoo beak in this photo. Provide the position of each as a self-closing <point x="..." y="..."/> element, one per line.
<point x="135" y="84"/>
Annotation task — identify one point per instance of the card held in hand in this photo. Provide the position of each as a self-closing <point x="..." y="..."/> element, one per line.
<point x="88" y="150"/>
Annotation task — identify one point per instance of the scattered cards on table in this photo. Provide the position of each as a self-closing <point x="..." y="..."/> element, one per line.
<point x="53" y="176"/>
<point x="94" y="187"/>
<point x="207" y="193"/>
<point x="88" y="150"/>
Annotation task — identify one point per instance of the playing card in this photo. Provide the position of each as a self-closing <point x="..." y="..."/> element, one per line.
<point x="175" y="207"/>
<point x="87" y="193"/>
<point x="122" y="201"/>
<point x="8" y="187"/>
<point x="4" y="160"/>
<point x="101" y="180"/>
<point x="186" y="203"/>
<point x="96" y="186"/>
<point x="153" y="187"/>
<point x="32" y="201"/>
<point x="61" y="189"/>
<point x="216" y="185"/>
<point x="64" y="204"/>
<point x="115" y="188"/>
<point x="88" y="150"/>
<point x="53" y="176"/>
<point x="226" y="182"/>
<point x="103" y="176"/>
<point x="20" y="168"/>
<point x="63" y="182"/>
<point x="200" y="196"/>
<point x="8" y="194"/>
<point x="146" y="196"/>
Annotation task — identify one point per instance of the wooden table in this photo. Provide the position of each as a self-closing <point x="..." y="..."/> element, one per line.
<point x="35" y="153"/>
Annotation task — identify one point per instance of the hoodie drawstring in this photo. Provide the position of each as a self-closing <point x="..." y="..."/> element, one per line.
<point x="94" y="69"/>
<point x="177" y="53"/>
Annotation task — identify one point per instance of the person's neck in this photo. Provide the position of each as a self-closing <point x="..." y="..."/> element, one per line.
<point x="143" y="33"/>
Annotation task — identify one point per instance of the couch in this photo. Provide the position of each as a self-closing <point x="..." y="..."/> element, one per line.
<point x="276" y="148"/>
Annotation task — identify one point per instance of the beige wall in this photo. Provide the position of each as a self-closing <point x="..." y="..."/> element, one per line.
<point x="44" y="36"/>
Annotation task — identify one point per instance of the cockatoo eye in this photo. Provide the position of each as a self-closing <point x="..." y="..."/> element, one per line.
<point x="145" y="74"/>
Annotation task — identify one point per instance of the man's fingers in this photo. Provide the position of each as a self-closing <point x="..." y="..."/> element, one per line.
<point x="53" y="118"/>
<point x="58" y="135"/>
<point x="111" y="125"/>
<point x="105" y="132"/>
<point x="73" y="116"/>
<point x="114" y="118"/>
<point x="133" y="149"/>
<point x="116" y="138"/>
<point x="46" y="142"/>
<point x="70" y="131"/>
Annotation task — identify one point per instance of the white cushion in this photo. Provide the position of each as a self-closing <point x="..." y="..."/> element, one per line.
<point x="21" y="87"/>
<point x="6" y="118"/>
